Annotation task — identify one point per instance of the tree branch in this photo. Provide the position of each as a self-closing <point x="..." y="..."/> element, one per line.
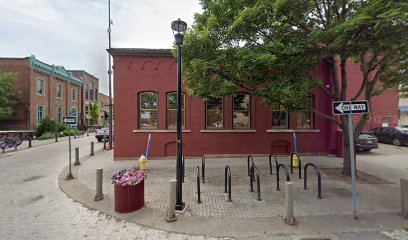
<point x="322" y="115"/>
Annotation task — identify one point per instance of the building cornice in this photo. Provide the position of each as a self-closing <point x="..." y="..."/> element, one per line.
<point x="58" y="71"/>
<point x="140" y="52"/>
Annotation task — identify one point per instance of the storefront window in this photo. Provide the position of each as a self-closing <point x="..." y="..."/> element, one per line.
<point x="148" y="110"/>
<point x="172" y="110"/>
<point x="214" y="114"/>
<point x="242" y="111"/>
<point x="279" y="117"/>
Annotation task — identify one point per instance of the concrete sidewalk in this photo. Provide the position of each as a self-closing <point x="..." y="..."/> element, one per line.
<point x="245" y="217"/>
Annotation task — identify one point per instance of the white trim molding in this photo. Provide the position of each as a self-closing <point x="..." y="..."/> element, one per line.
<point x="292" y="130"/>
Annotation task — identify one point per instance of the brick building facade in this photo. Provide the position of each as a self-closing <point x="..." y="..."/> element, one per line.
<point x="45" y="90"/>
<point x="145" y="87"/>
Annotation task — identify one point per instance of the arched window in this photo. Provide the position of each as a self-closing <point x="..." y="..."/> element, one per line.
<point x="172" y="110"/>
<point x="148" y="110"/>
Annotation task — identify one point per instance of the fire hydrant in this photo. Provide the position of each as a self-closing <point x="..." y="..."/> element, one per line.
<point x="142" y="162"/>
<point x="295" y="160"/>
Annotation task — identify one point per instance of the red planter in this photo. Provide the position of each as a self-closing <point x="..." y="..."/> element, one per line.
<point x="129" y="198"/>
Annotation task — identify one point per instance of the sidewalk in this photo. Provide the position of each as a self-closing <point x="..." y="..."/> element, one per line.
<point x="330" y="217"/>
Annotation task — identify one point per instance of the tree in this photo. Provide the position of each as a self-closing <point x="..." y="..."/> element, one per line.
<point x="7" y="91"/>
<point x="94" y="111"/>
<point x="272" y="47"/>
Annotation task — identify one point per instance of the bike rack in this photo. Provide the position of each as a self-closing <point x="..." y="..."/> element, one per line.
<point x="270" y="163"/>
<point x="203" y="168"/>
<point x="277" y="175"/>
<point x="319" y="179"/>
<point x="198" y="185"/>
<point x="300" y="165"/>
<point x="254" y="170"/>
<point x="249" y="157"/>
<point x="228" y="180"/>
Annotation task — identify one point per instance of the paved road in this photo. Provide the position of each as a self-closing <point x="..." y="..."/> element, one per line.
<point x="388" y="161"/>
<point x="33" y="207"/>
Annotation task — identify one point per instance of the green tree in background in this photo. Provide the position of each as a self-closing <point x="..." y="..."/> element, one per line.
<point x="271" y="47"/>
<point x="94" y="112"/>
<point x="7" y="92"/>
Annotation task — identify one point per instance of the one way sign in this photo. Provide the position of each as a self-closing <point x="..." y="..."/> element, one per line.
<point x="353" y="107"/>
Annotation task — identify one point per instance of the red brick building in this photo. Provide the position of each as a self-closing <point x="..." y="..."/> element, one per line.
<point x="45" y="90"/>
<point x="145" y="82"/>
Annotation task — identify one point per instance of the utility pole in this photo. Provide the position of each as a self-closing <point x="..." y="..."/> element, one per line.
<point x="110" y="80"/>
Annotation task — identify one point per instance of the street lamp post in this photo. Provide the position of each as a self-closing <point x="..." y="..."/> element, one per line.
<point x="179" y="27"/>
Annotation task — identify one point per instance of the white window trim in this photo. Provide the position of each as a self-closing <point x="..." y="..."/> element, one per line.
<point x="43" y="113"/>
<point x="43" y="85"/>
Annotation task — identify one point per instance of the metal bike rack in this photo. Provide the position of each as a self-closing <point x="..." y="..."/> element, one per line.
<point x="319" y="179"/>
<point x="270" y="163"/>
<point x="277" y="175"/>
<point x="228" y="182"/>
<point x="249" y="157"/>
<point x="203" y="168"/>
<point x="300" y="165"/>
<point x="254" y="170"/>
<point x="198" y="185"/>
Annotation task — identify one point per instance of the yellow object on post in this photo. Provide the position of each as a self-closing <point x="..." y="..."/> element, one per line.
<point x="142" y="162"/>
<point x="295" y="160"/>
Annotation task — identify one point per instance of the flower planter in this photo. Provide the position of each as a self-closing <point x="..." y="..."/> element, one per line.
<point x="128" y="198"/>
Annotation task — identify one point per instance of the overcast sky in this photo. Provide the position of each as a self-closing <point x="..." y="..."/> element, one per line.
<point x="72" y="33"/>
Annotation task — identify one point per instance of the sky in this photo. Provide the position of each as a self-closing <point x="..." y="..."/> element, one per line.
<point x="73" y="33"/>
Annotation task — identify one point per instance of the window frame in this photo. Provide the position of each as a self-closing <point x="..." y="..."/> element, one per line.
<point x="73" y="94"/>
<point x="311" y="115"/>
<point x="59" y="115"/>
<point x="91" y="88"/>
<point x="59" y="91"/>
<point x="42" y="114"/>
<point x="222" y="116"/>
<point x="42" y="86"/>
<point x="86" y="91"/>
<point x="183" y="109"/>
<point x="140" y="110"/>
<point x="280" y="110"/>
<point x="249" y="111"/>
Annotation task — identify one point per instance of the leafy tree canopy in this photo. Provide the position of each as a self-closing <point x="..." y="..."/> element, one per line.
<point x="94" y="111"/>
<point x="7" y="92"/>
<point x="271" y="47"/>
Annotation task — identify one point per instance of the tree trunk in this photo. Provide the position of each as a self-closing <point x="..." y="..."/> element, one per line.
<point x="346" y="152"/>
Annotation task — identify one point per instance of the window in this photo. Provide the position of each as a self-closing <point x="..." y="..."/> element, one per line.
<point x="86" y="109"/>
<point x="59" y="116"/>
<point x="279" y="117"/>
<point x="59" y="91"/>
<point x="148" y="110"/>
<point x="214" y="117"/>
<point x="241" y="111"/>
<point x="86" y="91"/>
<point x="96" y="94"/>
<point x="91" y="92"/>
<point x="73" y="94"/>
<point x="172" y="110"/>
<point x="40" y="114"/>
<point x="40" y="87"/>
<point x="304" y="115"/>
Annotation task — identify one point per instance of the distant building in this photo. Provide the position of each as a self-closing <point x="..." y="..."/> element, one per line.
<point x="46" y="90"/>
<point x="145" y="87"/>
<point x="103" y="109"/>
<point x="403" y="112"/>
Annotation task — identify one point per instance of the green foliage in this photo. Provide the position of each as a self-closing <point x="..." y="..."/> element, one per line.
<point x="7" y="91"/>
<point x="67" y="132"/>
<point x="94" y="111"/>
<point x="61" y="127"/>
<point x="46" y="125"/>
<point x="46" y="135"/>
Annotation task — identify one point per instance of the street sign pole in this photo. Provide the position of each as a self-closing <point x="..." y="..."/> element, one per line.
<point x="69" y="121"/>
<point x="353" y="164"/>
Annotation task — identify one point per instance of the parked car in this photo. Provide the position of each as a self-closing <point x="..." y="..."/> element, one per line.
<point x="103" y="132"/>
<point x="366" y="142"/>
<point x="392" y="135"/>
